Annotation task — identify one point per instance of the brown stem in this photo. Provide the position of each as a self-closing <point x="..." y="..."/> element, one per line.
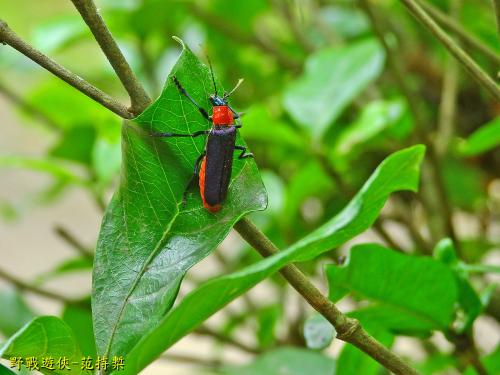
<point x="348" y="329"/>
<point x="467" y="62"/>
<point x="434" y="164"/>
<point x="138" y="96"/>
<point x="29" y="108"/>
<point x="34" y="289"/>
<point x="7" y="36"/>
<point x="467" y="38"/>
<point x="70" y="239"/>
<point x="205" y="331"/>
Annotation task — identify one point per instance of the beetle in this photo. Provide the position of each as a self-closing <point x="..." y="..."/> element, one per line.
<point x="213" y="166"/>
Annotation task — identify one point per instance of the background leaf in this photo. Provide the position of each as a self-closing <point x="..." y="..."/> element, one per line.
<point x="15" y="312"/>
<point x="332" y="79"/>
<point x="46" y="336"/>
<point x="419" y="287"/>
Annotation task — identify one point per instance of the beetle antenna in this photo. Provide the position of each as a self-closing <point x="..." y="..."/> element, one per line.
<point x="212" y="74"/>
<point x="228" y="94"/>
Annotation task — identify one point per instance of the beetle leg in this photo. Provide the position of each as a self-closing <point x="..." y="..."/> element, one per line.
<point x="192" y="135"/>
<point x="194" y="177"/>
<point x="183" y="91"/>
<point x="244" y="153"/>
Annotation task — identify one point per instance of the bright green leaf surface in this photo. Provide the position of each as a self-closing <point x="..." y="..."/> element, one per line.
<point x="318" y="332"/>
<point x="287" y="361"/>
<point x="46" y="336"/>
<point x="484" y="139"/>
<point x="79" y="319"/>
<point x="353" y="361"/>
<point x="419" y="287"/>
<point x="14" y="312"/>
<point x="333" y="78"/>
<point x="148" y="238"/>
<point x="399" y="171"/>
<point x="5" y="371"/>
<point x="375" y="118"/>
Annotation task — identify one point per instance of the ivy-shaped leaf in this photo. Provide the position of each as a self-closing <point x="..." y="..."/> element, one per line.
<point x="148" y="238"/>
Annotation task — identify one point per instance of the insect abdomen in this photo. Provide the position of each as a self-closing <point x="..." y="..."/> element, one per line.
<point x="215" y="171"/>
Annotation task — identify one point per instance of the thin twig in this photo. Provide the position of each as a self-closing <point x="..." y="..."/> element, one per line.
<point x="70" y="239"/>
<point x="232" y="31"/>
<point x="348" y="329"/>
<point x="138" y="96"/>
<point x="434" y="166"/>
<point x="205" y="331"/>
<point x="191" y="359"/>
<point x="29" y="108"/>
<point x="466" y="37"/>
<point x="467" y="62"/>
<point x="496" y="7"/>
<point x="7" y="36"/>
<point x="447" y="106"/>
<point x="34" y="289"/>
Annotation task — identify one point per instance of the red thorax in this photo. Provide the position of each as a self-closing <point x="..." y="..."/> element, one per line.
<point x="222" y="115"/>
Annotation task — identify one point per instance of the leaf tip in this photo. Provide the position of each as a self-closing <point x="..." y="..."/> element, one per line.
<point x="180" y="41"/>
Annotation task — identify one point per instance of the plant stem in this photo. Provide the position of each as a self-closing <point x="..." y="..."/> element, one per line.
<point x="496" y="8"/>
<point x="468" y="63"/>
<point x="138" y="96"/>
<point x="447" y="106"/>
<point x="205" y="331"/>
<point x="34" y="289"/>
<point x="348" y="329"/>
<point x="434" y="166"/>
<point x="29" y="108"/>
<point x="73" y="241"/>
<point x="466" y="37"/>
<point x="7" y="36"/>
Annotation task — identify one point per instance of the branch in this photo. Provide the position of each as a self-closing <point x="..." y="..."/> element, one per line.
<point x="496" y="8"/>
<point x="468" y="63"/>
<point x="31" y="288"/>
<point x="29" y="108"/>
<point x="348" y="329"/>
<point x="447" y="107"/>
<point x="466" y="37"/>
<point x="444" y="207"/>
<point x="205" y="331"/>
<point x="138" y="96"/>
<point x="7" y="36"/>
<point x="70" y="239"/>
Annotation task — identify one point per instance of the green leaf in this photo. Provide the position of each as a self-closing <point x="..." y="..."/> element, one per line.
<point x="376" y="117"/>
<point x="333" y="77"/>
<point x="468" y="299"/>
<point x="79" y="319"/>
<point x="353" y="361"/>
<point x="398" y="171"/>
<point x="46" y="336"/>
<point x="47" y="165"/>
<point x="267" y="320"/>
<point x="77" y="264"/>
<point x="14" y="312"/>
<point x="318" y="332"/>
<point x="76" y="144"/>
<point x="5" y="371"/>
<point x="148" y="238"/>
<point x="419" y="287"/>
<point x="484" y="139"/>
<point x="58" y="33"/>
<point x="289" y="361"/>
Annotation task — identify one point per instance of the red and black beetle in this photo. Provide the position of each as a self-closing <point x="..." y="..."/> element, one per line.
<point x="213" y="166"/>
